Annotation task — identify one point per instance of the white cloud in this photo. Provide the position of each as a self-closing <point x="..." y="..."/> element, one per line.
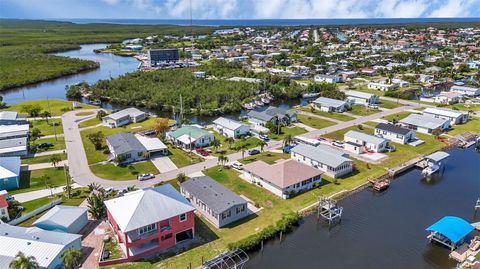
<point x="456" y="8"/>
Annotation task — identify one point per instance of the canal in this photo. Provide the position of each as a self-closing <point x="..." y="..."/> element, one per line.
<point x="383" y="230"/>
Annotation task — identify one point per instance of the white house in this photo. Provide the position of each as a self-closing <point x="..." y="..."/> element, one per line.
<point x="333" y="162"/>
<point x="284" y="178"/>
<point x="448" y="97"/>
<point x="469" y="91"/>
<point x="124" y="117"/>
<point x="330" y="105"/>
<point x="14" y="140"/>
<point x="425" y="124"/>
<point x="455" y="116"/>
<point x="327" y="78"/>
<point x="362" y="98"/>
<point x="358" y="142"/>
<point x="394" y="133"/>
<point x="230" y="128"/>
<point x="382" y="86"/>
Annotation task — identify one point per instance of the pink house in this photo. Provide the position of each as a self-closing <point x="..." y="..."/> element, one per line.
<point x="150" y="220"/>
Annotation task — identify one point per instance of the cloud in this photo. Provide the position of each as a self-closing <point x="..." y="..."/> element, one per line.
<point x="456" y="8"/>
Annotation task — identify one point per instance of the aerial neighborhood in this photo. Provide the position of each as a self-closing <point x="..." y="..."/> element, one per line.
<point x="219" y="140"/>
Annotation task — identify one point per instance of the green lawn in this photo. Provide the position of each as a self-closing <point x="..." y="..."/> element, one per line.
<point x="112" y="172"/>
<point x="338" y="135"/>
<point x="473" y="125"/>
<point x="225" y="148"/>
<point x="397" y="116"/>
<point x="42" y="159"/>
<point x="57" y="107"/>
<point x="464" y="107"/>
<point x="293" y="131"/>
<point x="57" y="144"/>
<point x="95" y="156"/>
<point x="47" y="128"/>
<point x="90" y="122"/>
<point x="367" y="90"/>
<point x="363" y="110"/>
<point x="182" y="158"/>
<point x="84" y="113"/>
<point x="314" y="122"/>
<point x="333" y="115"/>
<point x="389" y="104"/>
<point x="267" y="156"/>
<point x="35" y="180"/>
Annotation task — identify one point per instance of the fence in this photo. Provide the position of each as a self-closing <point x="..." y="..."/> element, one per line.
<point x="35" y="212"/>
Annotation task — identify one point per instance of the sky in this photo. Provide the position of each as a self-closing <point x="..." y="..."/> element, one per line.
<point x="237" y="9"/>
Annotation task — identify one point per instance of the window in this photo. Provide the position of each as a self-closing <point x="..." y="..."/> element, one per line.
<point x="229" y="213"/>
<point x="182" y="217"/>
<point x="167" y="236"/>
<point x="3" y="211"/>
<point x="146" y="229"/>
<point x="140" y="154"/>
<point x="128" y="156"/>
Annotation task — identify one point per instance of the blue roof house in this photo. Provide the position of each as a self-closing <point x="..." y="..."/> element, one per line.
<point x="67" y="219"/>
<point x="449" y="231"/>
<point x="9" y="173"/>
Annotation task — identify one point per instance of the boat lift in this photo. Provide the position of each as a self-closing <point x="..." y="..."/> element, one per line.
<point x="235" y="259"/>
<point x="329" y="210"/>
<point x="434" y="163"/>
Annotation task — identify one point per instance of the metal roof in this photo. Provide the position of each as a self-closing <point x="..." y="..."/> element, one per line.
<point x="328" y="102"/>
<point x="44" y="245"/>
<point x="9" y="167"/>
<point x="61" y="215"/>
<point x="14" y="130"/>
<point x="323" y="155"/>
<point x="151" y="143"/>
<point x="124" y="143"/>
<point x="393" y="128"/>
<point x="228" y="123"/>
<point x="130" y="112"/>
<point x="454" y="228"/>
<point x="214" y="195"/>
<point x="143" y="207"/>
<point x="365" y="137"/>
<point x="189" y="130"/>
<point x="438" y="156"/>
<point x="269" y="113"/>
<point x="363" y="95"/>
<point x="444" y="112"/>
<point x="8" y="115"/>
<point x="423" y="121"/>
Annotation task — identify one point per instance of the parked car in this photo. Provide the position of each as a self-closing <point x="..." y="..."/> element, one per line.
<point x="253" y="151"/>
<point x="288" y="148"/>
<point x="264" y="138"/>
<point x="45" y="145"/>
<point x="337" y="144"/>
<point x="109" y="190"/>
<point x="149" y="133"/>
<point x="237" y="165"/>
<point x="202" y="152"/>
<point x="145" y="176"/>
<point x="10" y="199"/>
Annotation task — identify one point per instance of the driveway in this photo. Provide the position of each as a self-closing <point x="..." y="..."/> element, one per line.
<point x="38" y="166"/>
<point x="163" y="164"/>
<point x="28" y="196"/>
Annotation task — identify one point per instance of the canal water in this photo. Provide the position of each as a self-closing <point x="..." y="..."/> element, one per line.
<point x="110" y="66"/>
<point x="383" y="230"/>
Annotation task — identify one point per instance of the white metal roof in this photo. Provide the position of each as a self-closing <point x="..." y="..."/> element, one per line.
<point x="151" y="143"/>
<point x="147" y="206"/>
<point x="363" y="95"/>
<point x="131" y="111"/>
<point x="8" y="115"/>
<point x="365" y="137"/>
<point x="9" y="130"/>
<point x="9" y="167"/>
<point x="423" y="121"/>
<point x="61" y="215"/>
<point x="328" y="102"/>
<point x="228" y="123"/>
<point x="443" y="112"/>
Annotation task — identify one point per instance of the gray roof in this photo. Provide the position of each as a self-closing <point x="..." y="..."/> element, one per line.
<point x="228" y="123"/>
<point x="324" y="155"/>
<point x="124" y="143"/>
<point x="269" y="113"/>
<point x="131" y="111"/>
<point x="214" y="195"/>
<point x="365" y="137"/>
<point x="438" y="156"/>
<point x="61" y="215"/>
<point x="393" y="128"/>
<point x="328" y="102"/>
<point x="363" y="95"/>
<point x="423" y="121"/>
<point x="8" y="115"/>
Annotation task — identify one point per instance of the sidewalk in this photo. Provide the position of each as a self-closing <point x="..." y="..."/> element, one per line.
<point x="28" y="196"/>
<point x="46" y="153"/>
<point x="38" y="166"/>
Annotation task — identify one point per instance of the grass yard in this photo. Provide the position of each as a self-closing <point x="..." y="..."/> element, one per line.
<point x="397" y="116"/>
<point x="95" y="156"/>
<point x="84" y="113"/>
<point x="367" y="90"/>
<point x="90" y="122"/>
<point x="473" y="125"/>
<point x="388" y="104"/>
<point x="57" y="144"/>
<point x="464" y="107"/>
<point x="314" y="122"/>
<point x="182" y="158"/>
<point x="36" y="179"/>
<point x="267" y="156"/>
<point x="293" y="131"/>
<point x="58" y="107"/>
<point x="43" y="159"/>
<point x="363" y="110"/>
<point x="338" y="135"/>
<point x="370" y="123"/>
<point x="333" y="115"/>
<point x="130" y="172"/>
<point x="225" y="148"/>
<point x="46" y="128"/>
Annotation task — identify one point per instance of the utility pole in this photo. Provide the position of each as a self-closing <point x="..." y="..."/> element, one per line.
<point x="181" y="111"/>
<point x="67" y="180"/>
<point x="53" y="121"/>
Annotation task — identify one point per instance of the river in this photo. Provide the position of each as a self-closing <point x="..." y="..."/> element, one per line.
<point x="386" y="230"/>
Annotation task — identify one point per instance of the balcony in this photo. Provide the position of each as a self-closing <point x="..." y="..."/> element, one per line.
<point x="165" y="228"/>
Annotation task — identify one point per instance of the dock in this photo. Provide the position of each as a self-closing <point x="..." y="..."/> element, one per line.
<point x="329" y="210"/>
<point x="380" y="184"/>
<point x="405" y="166"/>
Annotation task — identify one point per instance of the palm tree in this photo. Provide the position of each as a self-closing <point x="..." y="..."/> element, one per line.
<point x="71" y="258"/>
<point x="222" y="159"/>
<point x="287" y="140"/>
<point x="45" y="115"/>
<point x="96" y="205"/>
<point x="243" y="148"/>
<point x="94" y="187"/>
<point x="215" y="144"/>
<point x="55" y="159"/>
<point x="181" y="177"/>
<point x="23" y="262"/>
<point x="262" y="144"/>
<point x="230" y="141"/>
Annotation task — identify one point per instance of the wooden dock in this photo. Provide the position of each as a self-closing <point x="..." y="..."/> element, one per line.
<point x="405" y="166"/>
<point x="380" y="184"/>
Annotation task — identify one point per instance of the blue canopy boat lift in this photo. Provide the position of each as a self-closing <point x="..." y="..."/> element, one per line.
<point x="449" y="231"/>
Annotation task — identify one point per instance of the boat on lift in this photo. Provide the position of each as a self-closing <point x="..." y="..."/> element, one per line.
<point x="310" y="95"/>
<point x="434" y="162"/>
<point x="259" y="103"/>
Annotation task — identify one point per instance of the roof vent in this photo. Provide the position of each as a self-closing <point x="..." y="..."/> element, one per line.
<point x="29" y="243"/>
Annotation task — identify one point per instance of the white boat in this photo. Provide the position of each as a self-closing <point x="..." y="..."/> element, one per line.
<point x="247" y="106"/>
<point x="265" y="100"/>
<point x="259" y="103"/>
<point x="310" y="95"/>
<point x="430" y="170"/>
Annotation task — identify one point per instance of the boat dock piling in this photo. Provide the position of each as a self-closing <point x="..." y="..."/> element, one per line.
<point x="329" y="210"/>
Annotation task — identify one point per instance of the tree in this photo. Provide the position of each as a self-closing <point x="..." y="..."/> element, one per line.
<point x="96" y="139"/>
<point x="243" y="148"/>
<point x="181" y="177"/>
<point x="215" y="144"/>
<point x="46" y="180"/>
<point x="55" y="159"/>
<point x="101" y="113"/>
<point x="287" y="140"/>
<point x="23" y="262"/>
<point x="45" y="114"/>
<point x="229" y="141"/>
<point x="32" y="110"/>
<point x="262" y="144"/>
<point x="96" y="205"/>
<point x="94" y="187"/>
<point x="71" y="258"/>
<point x="222" y="159"/>
<point x="161" y="126"/>
<point x="35" y="133"/>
